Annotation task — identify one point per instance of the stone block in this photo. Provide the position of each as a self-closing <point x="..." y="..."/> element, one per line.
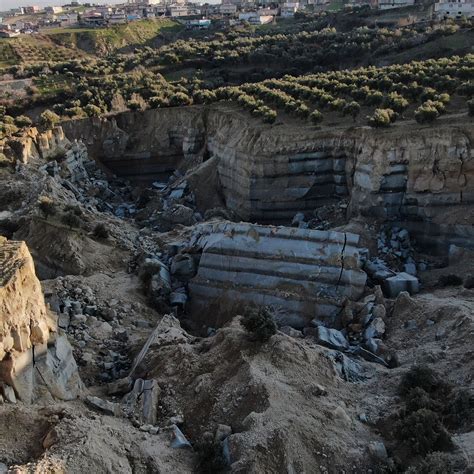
<point x="331" y="338"/>
<point x="394" y="285"/>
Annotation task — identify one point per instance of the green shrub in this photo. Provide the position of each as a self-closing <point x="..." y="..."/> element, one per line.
<point x="92" y="110"/>
<point x="316" y="116"/>
<point x="134" y="105"/>
<point x="267" y="114"/>
<point x="352" y="109"/>
<point x="466" y="89"/>
<point x="204" y="97"/>
<point x="422" y="377"/>
<point x="458" y="410"/>
<point x="71" y="220"/>
<point x="158" y="101"/>
<point x="49" y="119"/>
<point x="423" y="432"/>
<point x="180" y="98"/>
<point x="470" y="107"/>
<point x="434" y="463"/>
<point x="450" y="280"/>
<point x="428" y="93"/>
<point x="101" y="231"/>
<point x="396" y="102"/>
<point x="259" y="323"/>
<point x="46" y="206"/>
<point x="74" y="209"/>
<point x="76" y="112"/>
<point x="426" y="113"/>
<point x="418" y="398"/>
<point x="211" y="459"/>
<point x="22" y="121"/>
<point x="382" y="118"/>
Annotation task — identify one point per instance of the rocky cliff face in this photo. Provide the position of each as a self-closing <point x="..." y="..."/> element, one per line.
<point x="305" y="273"/>
<point x="34" y="358"/>
<point x="416" y="174"/>
<point x="144" y="146"/>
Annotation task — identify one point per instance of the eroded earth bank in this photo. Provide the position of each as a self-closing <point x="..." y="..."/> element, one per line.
<point x="134" y="245"/>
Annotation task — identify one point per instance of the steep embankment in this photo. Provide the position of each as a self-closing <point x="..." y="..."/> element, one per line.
<point x="107" y="40"/>
<point x="34" y="358"/>
<point x="419" y="174"/>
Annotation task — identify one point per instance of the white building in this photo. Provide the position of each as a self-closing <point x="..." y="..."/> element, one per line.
<point x="68" y="19"/>
<point x="117" y="18"/>
<point x="288" y="9"/>
<point x="53" y="10"/>
<point x="145" y="2"/>
<point x="254" y="18"/>
<point x="178" y="10"/>
<point x="389" y="4"/>
<point x="445" y="9"/>
<point x="228" y="9"/>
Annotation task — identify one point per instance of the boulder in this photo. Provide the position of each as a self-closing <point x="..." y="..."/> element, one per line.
<point x="183" y="266"/>
<point x="297" y="272"/>
<point x="222" y="432"/>
<point x="377" y="450"/>
<point x="179" y="440"/>
<point x="375" y="329"/>
<point x="394" y="285"/>
<point x="104" y="406"/>
<point x="331" y="338"/>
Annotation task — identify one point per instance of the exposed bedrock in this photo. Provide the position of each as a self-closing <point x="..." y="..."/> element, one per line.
<point x="144" y="146"/>
<point x="35" y="359"/>
<point x="419" y="174"/>
<point x="304" y="273"/>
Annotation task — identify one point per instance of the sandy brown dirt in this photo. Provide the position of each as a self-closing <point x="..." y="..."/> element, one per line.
<point x="84" y="441"/>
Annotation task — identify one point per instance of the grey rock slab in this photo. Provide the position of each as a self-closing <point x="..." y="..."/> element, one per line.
<point x="393" y="286"/>
<point x="331" y="338"/>
<point x="9" y="393"/>
<point x="222" y="432"/>
<point x="104" y="406"/>
<point x="179" y="440"/>
<point x="377" y="450"/>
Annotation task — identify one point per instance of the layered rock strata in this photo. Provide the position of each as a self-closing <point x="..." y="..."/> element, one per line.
<point x="303" y="274"/>
<point x="422" y="175"/>
<point x="34" y="358"/>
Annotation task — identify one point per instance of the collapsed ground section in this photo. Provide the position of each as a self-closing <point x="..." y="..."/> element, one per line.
<point x="304" y="273"/>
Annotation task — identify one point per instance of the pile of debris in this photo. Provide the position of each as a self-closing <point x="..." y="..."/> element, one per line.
<point x="395" y="268"/>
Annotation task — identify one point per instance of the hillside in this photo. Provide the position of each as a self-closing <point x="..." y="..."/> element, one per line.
<point x="102" y="41"/>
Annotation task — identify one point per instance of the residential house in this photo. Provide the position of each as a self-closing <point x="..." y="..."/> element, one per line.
<point x="53" y="10"/>
<point x="228" y="9"/>
<point x="203" y="24"/>
<point x="67" y="19"/>
<point x="31" y="9"/>
<point x="288" y="9"/>
<point x="8" y="33"/>
<point x="177" y="10"/>
<point x="93" y="18"/>
<point x="457" y="9"/>
<point x="254" y="18"/>
<point x="389" y="4"/>
<point x="117" y="18"/>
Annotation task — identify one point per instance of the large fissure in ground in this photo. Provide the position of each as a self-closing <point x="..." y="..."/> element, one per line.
<point x="420" y="177"/>
<point x="322" y="285"/>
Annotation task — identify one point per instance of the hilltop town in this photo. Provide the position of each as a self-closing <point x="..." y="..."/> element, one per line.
<point x="34" y="19"/>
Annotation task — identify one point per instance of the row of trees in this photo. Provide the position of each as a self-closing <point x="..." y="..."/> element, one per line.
<point x="421" y="89"/>
<point x="316" y="48"/>
<point x="306" y="50"/>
